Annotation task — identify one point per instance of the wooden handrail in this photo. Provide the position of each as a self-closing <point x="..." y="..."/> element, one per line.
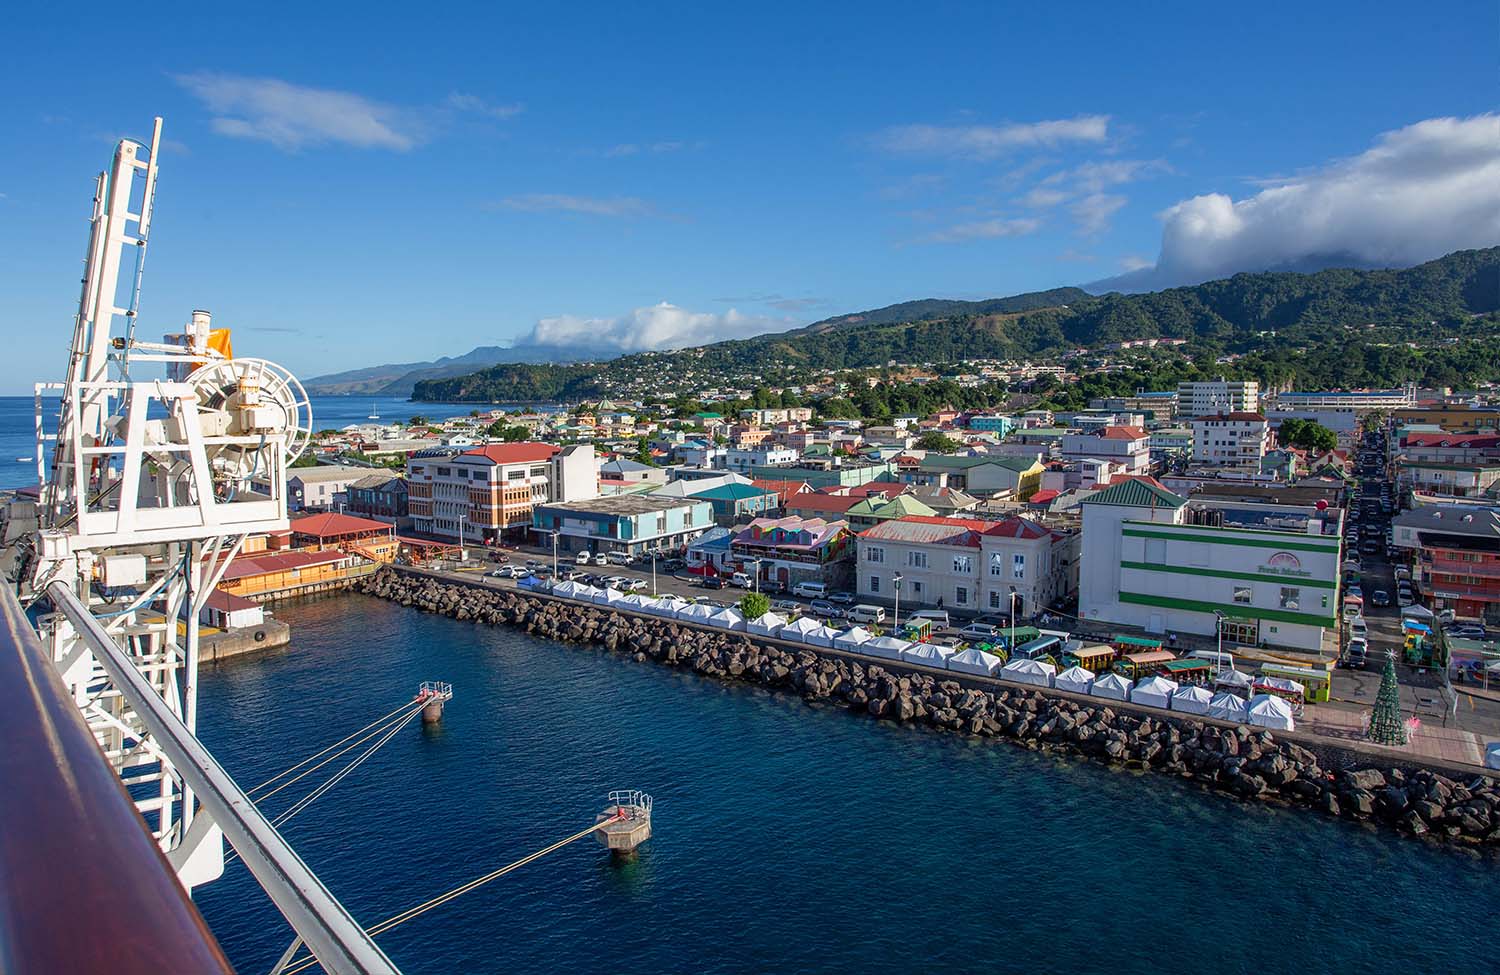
<point x="83" y="886"/>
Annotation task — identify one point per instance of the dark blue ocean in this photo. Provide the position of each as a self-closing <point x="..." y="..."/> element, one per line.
<point x="18" y="425"/>
<point x="788" y="838"/>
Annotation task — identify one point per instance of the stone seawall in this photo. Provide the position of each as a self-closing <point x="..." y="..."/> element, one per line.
<point x="1251" y="764"/>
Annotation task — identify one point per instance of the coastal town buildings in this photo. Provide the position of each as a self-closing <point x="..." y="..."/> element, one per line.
<point x="1231" y="439"/>
<point x="1455" y="556"/>
<point x="489" y="492"/>
<point x="631" y="524"/>
<point x="782" y="552"/>
<point x="1254" y="573"/>
<point x="1218" y="396"/>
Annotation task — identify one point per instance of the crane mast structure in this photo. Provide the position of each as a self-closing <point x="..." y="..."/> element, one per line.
<point x="154" y="483"/>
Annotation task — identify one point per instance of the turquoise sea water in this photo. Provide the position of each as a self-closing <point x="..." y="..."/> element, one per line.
<point x="788" y="838"/>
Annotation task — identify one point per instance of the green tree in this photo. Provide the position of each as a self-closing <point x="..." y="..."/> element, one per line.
<point x="754" y="605"/>
<point x="1306" y="434"/>
<point x="418" y="421"/>
<point x="643" y="452"/>
<point x="1386" y="726"/>
<point x="937" y="442"/>
<point x="306" y="459"/>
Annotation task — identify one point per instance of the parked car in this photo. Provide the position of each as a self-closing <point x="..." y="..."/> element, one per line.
<point x="622" y="583"/>
<point x="712" y="582"/>
<point x="1404" y="598"/>
<point x="509" y="572"/>
<point x="584" y="558"/>
<point x="825" y="609"/>
<point x="842" y="598"/>
<point x="638" y="585"/>
<point x="1380" y="598"/>
<point x="499" y="573"/>
<point x="1358" y="628"/>
<point x="978" y="631"/>
<point x="614" y="558"/>
<point x="1370" y="548"/>
<point x="810" y="590"/>
<point x="866" y="613"/>
<point x="1466" y="631"/>
<point x="786" y="606"/>
<point x="672" y="565"/>
<point x="1355" y="653"/>
<point x="939" y="617"/>
<point x="741" y="580"/>
<point x="565" y="574"/>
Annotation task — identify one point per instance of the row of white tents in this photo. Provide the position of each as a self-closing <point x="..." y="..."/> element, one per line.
<point x="1264" y="710"/>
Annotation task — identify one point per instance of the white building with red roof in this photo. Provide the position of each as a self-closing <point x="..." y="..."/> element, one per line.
<point x="969" y="565"/>
<point x="488" y="492"/>
<point x="1127" y="449"/>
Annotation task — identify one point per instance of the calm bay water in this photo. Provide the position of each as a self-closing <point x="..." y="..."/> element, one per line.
<point x="788" y="838"/>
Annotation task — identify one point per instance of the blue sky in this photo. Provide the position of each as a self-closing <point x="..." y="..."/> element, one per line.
<point x="353" y="187"/>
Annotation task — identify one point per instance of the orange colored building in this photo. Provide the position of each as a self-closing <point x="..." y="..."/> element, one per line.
<point x="375" y="540"/>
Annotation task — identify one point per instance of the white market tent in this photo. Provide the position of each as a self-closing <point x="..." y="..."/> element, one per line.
<point x="1281" y="684"/>
<point x="727" y="619"/>
<point x="1155" y="692"/>
<point x="768" y="625"/>
<point x="1270" y="711"/>
<point x="1233" y="680"/>
<point x="887" y="647"/>
<point x="636" y="602"/>
<point x="1112" y="686"/>
<point x="1416" y="611"/>
<point x="927" y="655"/>
<point x="852" y="638"/>
<point x="1227" y="707"/>
<point x="1075" y="679"/>
<point x="697" y="613"/>
<point x="608" y="597"/>
<point x="1192" y="699"/>
<point x="571" y="590"/>
<point x="668" y="606"/>
<point x="974" y="661"/>
<point x="1029" y="672"/>
<point x="823" y="636"/>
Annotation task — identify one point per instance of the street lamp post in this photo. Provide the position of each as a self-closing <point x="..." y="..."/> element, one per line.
<point x="896" y="583"/>
<point x="1219" y="632"/>
<point x="1013" y="613"/>
<point x="653" y="572"/>
<point x="554" y="555"/>
<point x="754" y="574"/>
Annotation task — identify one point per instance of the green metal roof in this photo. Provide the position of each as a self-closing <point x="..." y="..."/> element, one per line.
<point x="1137" y="493"/>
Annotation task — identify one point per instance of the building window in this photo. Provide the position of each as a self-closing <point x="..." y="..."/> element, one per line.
<point x="1018" y="566"/>
<point x="687" y="518"/>
<point x="1291" y="598"/>
<point x="918" y="560"/>
<point x="874" y="583"/>
<point x="994" y="599"/>
<point x="873" y="554"/>
<point x="916" y="589"/>
<point x="1243" y="594"/>
<point x="963" y="563"/>
<point x="962" y="597"/>
<point x="997" y="564"/>
<point x="1156" y="551"/>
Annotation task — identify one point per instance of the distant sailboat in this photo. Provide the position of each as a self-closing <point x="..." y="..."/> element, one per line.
<point x="374" y="413"/>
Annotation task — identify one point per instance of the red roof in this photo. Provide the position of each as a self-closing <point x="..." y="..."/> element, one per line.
<point x="1237" y="415"/>
<point x="835" y="504"/>
<point x="1122" y="433"/>
<point x="263" y="564"/>
<point x="1044" y="496"/>
<point x="784" y="488"/>
<point x="513" y="453"/>
<point x="332" y="525"/>
<point x="1017" y="528"/>
<point x="226" y="602"/>
<point x="1470" y="440"/>
<point x="972" y="524"/>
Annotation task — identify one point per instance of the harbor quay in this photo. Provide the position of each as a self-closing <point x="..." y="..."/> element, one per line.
<point x="1432" y="799"/>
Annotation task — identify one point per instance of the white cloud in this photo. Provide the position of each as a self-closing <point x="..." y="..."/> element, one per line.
<point x="1134" y="262"/>
<point x="1094" y="211"/>
<point x="614" y="206"/>
<point x="985" y="230"/>
<point x="635" y="148"/>
<point x="461" y="102"/>
<point x="660" y="326"/>
<point x="989" y="141"/>
<point x="293" y="116"/>
<point x="1083" y="188"/>
<point x="1418" y="193"/>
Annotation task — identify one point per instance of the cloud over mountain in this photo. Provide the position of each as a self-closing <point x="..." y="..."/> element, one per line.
<point x="659" y="326"/>
<point x="1419" y="192"/>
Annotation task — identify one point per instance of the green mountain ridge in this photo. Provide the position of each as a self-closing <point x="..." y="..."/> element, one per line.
<point x="1305" y="311"/>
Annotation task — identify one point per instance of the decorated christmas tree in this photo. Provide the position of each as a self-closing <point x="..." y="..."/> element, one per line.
<point x="1386" y="727"/>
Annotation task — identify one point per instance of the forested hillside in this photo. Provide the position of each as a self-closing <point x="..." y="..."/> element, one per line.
<point x="1307" y="312"/>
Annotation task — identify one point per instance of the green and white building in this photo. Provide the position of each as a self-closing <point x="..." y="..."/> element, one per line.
<point x="1260" y="574"/>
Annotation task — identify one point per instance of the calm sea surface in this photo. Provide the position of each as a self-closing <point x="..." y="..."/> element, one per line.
<point x="788" y="838"/>
<point x="18" y="425"/>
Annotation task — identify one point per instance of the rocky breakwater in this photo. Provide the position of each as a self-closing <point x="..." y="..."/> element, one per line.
<point x="1250" y="764"/>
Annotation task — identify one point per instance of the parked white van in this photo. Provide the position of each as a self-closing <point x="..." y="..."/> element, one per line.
<point x="865" y="613"/>
<point x="584" y="558"/>
<point x="810" y="590"/>
<point x="742" y="580"/>
<point x="939" y="617"/>
<point x="614" y="558"/>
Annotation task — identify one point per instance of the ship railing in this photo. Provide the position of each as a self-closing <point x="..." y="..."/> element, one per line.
<point x="633" y="802"/>
<point x="321" y="922"/>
